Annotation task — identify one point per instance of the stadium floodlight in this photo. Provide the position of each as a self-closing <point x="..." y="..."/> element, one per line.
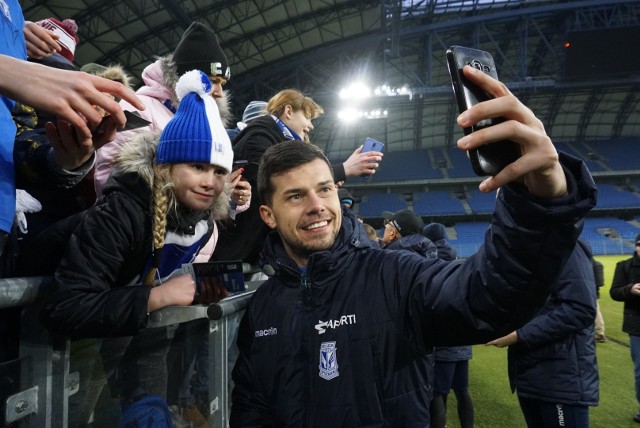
<point x="355" y="92"/>
<point x="356" y="99"/>
<point x="350" y="115"/>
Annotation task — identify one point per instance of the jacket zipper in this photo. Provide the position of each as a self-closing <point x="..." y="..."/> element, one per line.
<point x="307" y="300"/>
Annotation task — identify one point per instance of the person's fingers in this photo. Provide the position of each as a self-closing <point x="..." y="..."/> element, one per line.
<point x="233" y="175"/>
<point x="35" y="52"/>
<point x="68" y="135"/>
<point x="40" y="40"/>
<point x="104" y="132"/>
<point x="119" y="90"/>
<point x="493" y="87"/>
<point x="52" y="134"/>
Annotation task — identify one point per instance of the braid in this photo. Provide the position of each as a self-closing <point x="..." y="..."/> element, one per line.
<point x="160" y="208"/>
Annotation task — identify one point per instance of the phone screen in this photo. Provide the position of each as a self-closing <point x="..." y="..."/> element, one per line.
<point x="491" y="158"/>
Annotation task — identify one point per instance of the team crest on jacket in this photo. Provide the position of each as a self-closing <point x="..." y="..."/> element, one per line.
<point x="328" y="361"/>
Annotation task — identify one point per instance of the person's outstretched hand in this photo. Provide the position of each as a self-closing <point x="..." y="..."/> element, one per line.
<point x="70" y="148"/>
<point x="362" y="163"/>
<point x="538" y="168"/>
<point x="71" y="95"/>
<point x="501" y="342"/>
<point x="40" y="42"/>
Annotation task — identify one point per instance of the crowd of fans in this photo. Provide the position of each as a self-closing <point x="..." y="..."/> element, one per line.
<point x="349" y="328"/>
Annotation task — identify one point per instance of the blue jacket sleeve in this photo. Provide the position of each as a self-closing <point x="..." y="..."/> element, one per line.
<point x="508" y="280"/>
<point x="571" y="306"/>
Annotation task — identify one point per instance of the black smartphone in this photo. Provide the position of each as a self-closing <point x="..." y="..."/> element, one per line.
<point x="134" y="121"/>
<point x="489" y="159"/>
<point x="242" y="163"/>
<point x="371" y="145"/>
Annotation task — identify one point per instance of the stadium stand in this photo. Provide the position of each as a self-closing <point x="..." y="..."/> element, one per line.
<point x="437" y="202"/>
<point x="481" y="202"/>
<point x="374" y="204"/>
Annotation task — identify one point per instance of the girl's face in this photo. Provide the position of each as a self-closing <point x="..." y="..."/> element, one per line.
<point x="197" y="185"/>
<point x="297" y="121"/>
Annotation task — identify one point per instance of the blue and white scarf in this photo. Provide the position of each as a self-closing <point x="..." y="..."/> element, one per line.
<point x="288" y="133"/>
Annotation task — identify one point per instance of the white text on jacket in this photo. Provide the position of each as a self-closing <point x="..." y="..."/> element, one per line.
<point x="322" y="326"/>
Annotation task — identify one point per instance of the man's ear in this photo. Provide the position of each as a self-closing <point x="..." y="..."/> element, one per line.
<point x="267" y="216"/>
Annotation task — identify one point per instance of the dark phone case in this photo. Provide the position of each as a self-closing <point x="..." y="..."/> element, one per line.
<point x="134" y="121"/>
<point x="491" y="158"/>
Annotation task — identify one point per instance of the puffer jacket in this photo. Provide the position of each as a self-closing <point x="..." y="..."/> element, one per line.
<point x="555" y="357"/>
<point x="97" y="289"/>
<point x="341" y="343"/>
<point x="416" y="243"/>
<point x="626" y="274"/>
<point x="157" y="99"/>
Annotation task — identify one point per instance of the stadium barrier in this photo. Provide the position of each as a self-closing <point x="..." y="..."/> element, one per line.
<point x="35" y="388"/>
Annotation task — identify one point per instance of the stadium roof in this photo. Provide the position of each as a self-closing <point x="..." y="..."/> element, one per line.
<point x="587" y="90"/>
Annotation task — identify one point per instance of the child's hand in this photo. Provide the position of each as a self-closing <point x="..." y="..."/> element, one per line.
<point x="178" y="291"/>
<point x="212" y="290"/>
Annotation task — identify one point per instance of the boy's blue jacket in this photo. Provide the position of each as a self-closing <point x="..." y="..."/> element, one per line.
<point x="555" y="357"/>
<point x="342" y="343"/>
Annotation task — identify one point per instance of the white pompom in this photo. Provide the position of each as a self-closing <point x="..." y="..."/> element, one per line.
<point x="193" y="81"/>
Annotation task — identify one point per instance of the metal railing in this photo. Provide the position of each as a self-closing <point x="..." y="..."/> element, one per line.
<point x="35" y="388"/>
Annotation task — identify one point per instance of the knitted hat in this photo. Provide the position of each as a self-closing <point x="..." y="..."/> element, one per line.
<point x="199" y="50"/>
<point x="638" y="239"/>
<point x="195" y="133"/>
<point x="434" y="231"/>
<point x="345" y="197"/>
<point x="67" y="31"/>
<point x="253" y="110"/>
<point x="406" y="222"/>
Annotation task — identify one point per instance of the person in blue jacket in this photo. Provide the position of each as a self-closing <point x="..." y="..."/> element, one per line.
<point x="552" y="359"/>
<point x="338" y="334"/>
<point x="451" y="367"/>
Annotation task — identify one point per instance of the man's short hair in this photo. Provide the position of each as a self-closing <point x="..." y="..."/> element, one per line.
<point x="281" y="158"/>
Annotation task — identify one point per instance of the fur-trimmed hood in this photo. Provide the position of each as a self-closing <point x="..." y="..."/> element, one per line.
<point x="137" y="155"/>
<point x="117" y="74"/>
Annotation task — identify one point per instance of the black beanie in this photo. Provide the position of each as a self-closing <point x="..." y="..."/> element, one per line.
<point x="199" y="50"/>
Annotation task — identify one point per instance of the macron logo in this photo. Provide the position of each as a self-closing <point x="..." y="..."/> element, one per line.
<point x="267" y="332"/>
<point x="322" y="326"/>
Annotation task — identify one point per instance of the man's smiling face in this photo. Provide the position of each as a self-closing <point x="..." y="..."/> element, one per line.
<point x="305" y="209"/>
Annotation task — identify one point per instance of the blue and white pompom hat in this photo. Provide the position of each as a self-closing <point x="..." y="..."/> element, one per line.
<point x="196" y="132"/>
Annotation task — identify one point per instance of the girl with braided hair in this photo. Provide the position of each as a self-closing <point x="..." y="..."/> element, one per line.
<point x="158" y="210"/>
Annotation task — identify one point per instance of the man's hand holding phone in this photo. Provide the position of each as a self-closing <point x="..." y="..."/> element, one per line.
<point x="538" y="167"/>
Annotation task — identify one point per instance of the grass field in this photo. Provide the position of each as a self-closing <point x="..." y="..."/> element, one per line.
<point x="495" y="406"/>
